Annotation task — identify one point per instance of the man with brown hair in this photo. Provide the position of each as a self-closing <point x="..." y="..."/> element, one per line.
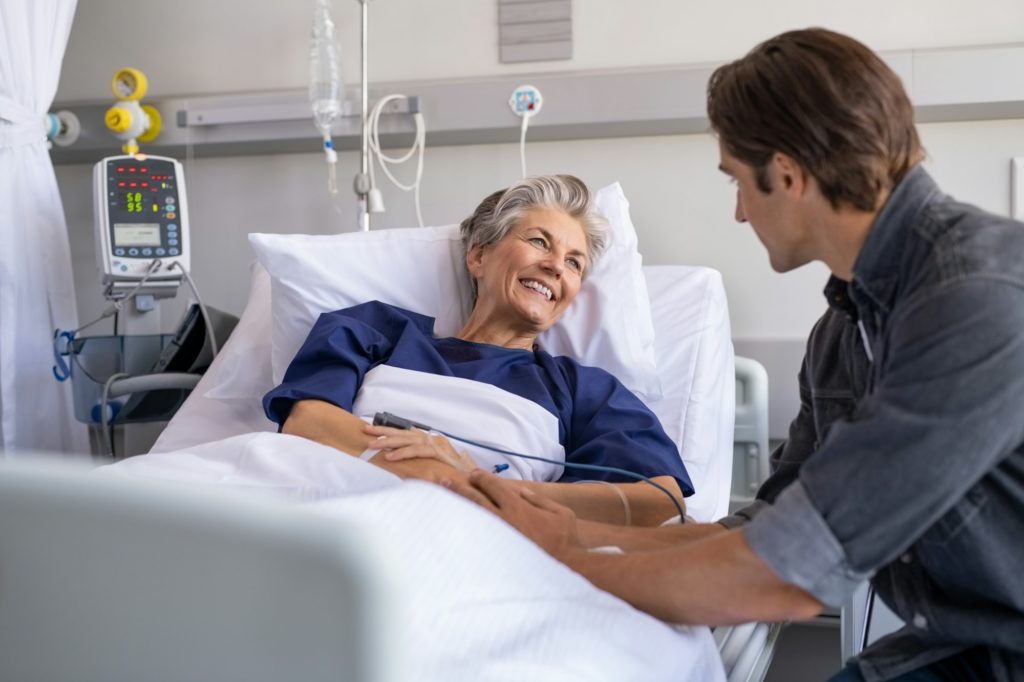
<point x="917" y="483"/>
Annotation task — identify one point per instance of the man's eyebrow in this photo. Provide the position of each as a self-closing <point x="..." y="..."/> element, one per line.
<point x="725" y="170"/>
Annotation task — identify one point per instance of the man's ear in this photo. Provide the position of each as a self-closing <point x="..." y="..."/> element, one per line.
<point x="788" y="174"/>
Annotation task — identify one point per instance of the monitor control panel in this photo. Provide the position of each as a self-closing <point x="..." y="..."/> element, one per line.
<point x="141" y="214"/>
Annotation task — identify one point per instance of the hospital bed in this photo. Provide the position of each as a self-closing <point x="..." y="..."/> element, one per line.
<point x="217" y="570"/>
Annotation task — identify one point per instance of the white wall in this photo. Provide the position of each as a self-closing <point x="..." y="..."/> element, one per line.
<point x="681" y="205"/>
<point x="211" y="46"/>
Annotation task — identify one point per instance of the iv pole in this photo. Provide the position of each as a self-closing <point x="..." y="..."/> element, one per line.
<point x="362" y="179"/>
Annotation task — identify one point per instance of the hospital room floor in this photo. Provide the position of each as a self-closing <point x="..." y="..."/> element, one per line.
<point x="807" y="652"/>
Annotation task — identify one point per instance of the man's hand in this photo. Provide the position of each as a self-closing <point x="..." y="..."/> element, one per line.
<point x="547" y="523"/>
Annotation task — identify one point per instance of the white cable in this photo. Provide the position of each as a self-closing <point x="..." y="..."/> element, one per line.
<point x="418" y="144"/>
<point x="522" y="143"/>
<point x="108" y="444"/>
<point x="202" y="307"/>
<point x="118" y="305"/>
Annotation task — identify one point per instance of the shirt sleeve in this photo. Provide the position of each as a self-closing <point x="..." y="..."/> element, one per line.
<point x="944" y="412"/>
<point x="610" y="426"/>
<point x="340" y="349"/>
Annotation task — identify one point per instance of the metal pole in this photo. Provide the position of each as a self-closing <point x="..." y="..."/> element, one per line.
<point x="364" y="203"/>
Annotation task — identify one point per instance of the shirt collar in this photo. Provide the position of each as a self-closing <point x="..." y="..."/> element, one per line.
<point x="837" y="293"/>
<point x="877" y="269"/>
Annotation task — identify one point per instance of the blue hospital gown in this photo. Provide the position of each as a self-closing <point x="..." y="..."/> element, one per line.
<point x="599" y="420"/>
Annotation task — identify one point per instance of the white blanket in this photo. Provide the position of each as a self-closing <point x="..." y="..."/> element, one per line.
<point x="488" y="603"/>
<point x="472" y="409"/>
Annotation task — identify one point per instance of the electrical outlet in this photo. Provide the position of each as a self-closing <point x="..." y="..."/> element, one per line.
<point x="402" y="105"/>
<point x="1017" y="188"/>
<point x="526" y="101"/>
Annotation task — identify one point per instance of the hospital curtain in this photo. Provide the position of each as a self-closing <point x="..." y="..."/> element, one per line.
<point x="36" y="290"/>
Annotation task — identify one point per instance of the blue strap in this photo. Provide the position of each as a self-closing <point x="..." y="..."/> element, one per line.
<point x="61" y="347"/>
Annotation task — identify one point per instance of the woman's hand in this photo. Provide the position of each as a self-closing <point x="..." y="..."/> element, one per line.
<point x="403" y="444"/>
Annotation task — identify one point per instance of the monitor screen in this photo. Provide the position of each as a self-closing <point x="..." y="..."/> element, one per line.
<point x="136" y="234"/>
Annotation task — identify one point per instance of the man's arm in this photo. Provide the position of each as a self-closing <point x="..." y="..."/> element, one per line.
<point x="717" y="579"/>
<point x="634" y="539"/>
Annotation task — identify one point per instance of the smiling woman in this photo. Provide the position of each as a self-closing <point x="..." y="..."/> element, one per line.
<point x="527" y="250"/>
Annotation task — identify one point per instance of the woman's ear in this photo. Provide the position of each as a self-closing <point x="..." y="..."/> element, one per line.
<point x="474" y="261"/>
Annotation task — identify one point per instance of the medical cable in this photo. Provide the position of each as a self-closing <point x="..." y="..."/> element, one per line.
<point x="61" y="370"/>
<point x="418" y="147"/>
<point x="522" y="143"/>
<point x="388" y="419"/>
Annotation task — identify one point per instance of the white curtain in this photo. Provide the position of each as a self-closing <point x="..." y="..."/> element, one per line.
<point x="36" y="286"/>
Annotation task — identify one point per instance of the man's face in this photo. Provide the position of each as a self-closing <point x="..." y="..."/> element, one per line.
<point x="772" y="214"/>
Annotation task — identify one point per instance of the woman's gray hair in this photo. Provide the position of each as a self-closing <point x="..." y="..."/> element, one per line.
<point x="500" y="211"/>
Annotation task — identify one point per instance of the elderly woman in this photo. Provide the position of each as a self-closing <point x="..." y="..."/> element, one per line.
<point x="528" y="249"/>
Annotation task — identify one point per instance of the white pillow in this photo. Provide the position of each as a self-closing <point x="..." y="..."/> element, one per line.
<point x="423" y="269"/>
<point x="609" y="324"/>
<point x="241" y="369"/>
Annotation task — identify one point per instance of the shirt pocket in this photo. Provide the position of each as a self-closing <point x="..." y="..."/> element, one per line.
<point x="830" y="406"/>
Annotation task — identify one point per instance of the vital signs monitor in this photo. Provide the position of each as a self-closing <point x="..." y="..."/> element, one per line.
<point x="141" y="217"/>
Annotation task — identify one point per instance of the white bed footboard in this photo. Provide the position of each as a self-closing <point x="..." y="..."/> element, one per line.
<point x="106" y="579"/>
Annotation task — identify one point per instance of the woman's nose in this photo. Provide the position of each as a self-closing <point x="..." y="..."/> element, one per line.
<point x="553" y="263"/>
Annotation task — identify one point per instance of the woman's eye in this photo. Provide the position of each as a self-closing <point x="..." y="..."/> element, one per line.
<point x="537" y="241"/>
<point x="574" y="264"/>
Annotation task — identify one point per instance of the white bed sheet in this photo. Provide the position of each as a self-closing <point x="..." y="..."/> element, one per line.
<point x="490" y="605"/>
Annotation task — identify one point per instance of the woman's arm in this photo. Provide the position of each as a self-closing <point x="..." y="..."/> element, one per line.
<point x="647" y="506"/>
<point x="331" y="425"/>
<point x="637" y="504"/>
<point x="327" y="424"/>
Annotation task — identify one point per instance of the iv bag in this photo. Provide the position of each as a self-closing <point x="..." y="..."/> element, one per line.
<point x="324" y="69"/>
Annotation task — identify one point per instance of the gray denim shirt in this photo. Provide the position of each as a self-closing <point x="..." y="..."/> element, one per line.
<point x="908" y="465"/>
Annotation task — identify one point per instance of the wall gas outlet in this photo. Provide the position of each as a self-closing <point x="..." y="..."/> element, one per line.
<point x="525" y="101"/>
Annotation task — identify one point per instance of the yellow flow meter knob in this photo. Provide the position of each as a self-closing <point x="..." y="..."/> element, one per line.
<point x="155" y="123"/>
<point x="129" y="84"/>
<point x="118" y="119"/>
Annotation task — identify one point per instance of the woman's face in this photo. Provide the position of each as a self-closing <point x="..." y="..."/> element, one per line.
<point x="532" y="275"/>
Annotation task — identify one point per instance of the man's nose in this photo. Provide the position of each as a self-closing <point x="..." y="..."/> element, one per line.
<point x="741" y="217"/>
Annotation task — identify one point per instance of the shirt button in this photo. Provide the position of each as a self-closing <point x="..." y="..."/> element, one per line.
<point x="907" y="558"/>
<point x="920" y="622"/>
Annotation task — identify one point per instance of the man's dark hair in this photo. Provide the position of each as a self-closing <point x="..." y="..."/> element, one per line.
<point x="825" y="100"/>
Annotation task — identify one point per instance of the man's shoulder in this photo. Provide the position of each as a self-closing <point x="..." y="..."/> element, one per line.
<point x="960" y="241"/>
